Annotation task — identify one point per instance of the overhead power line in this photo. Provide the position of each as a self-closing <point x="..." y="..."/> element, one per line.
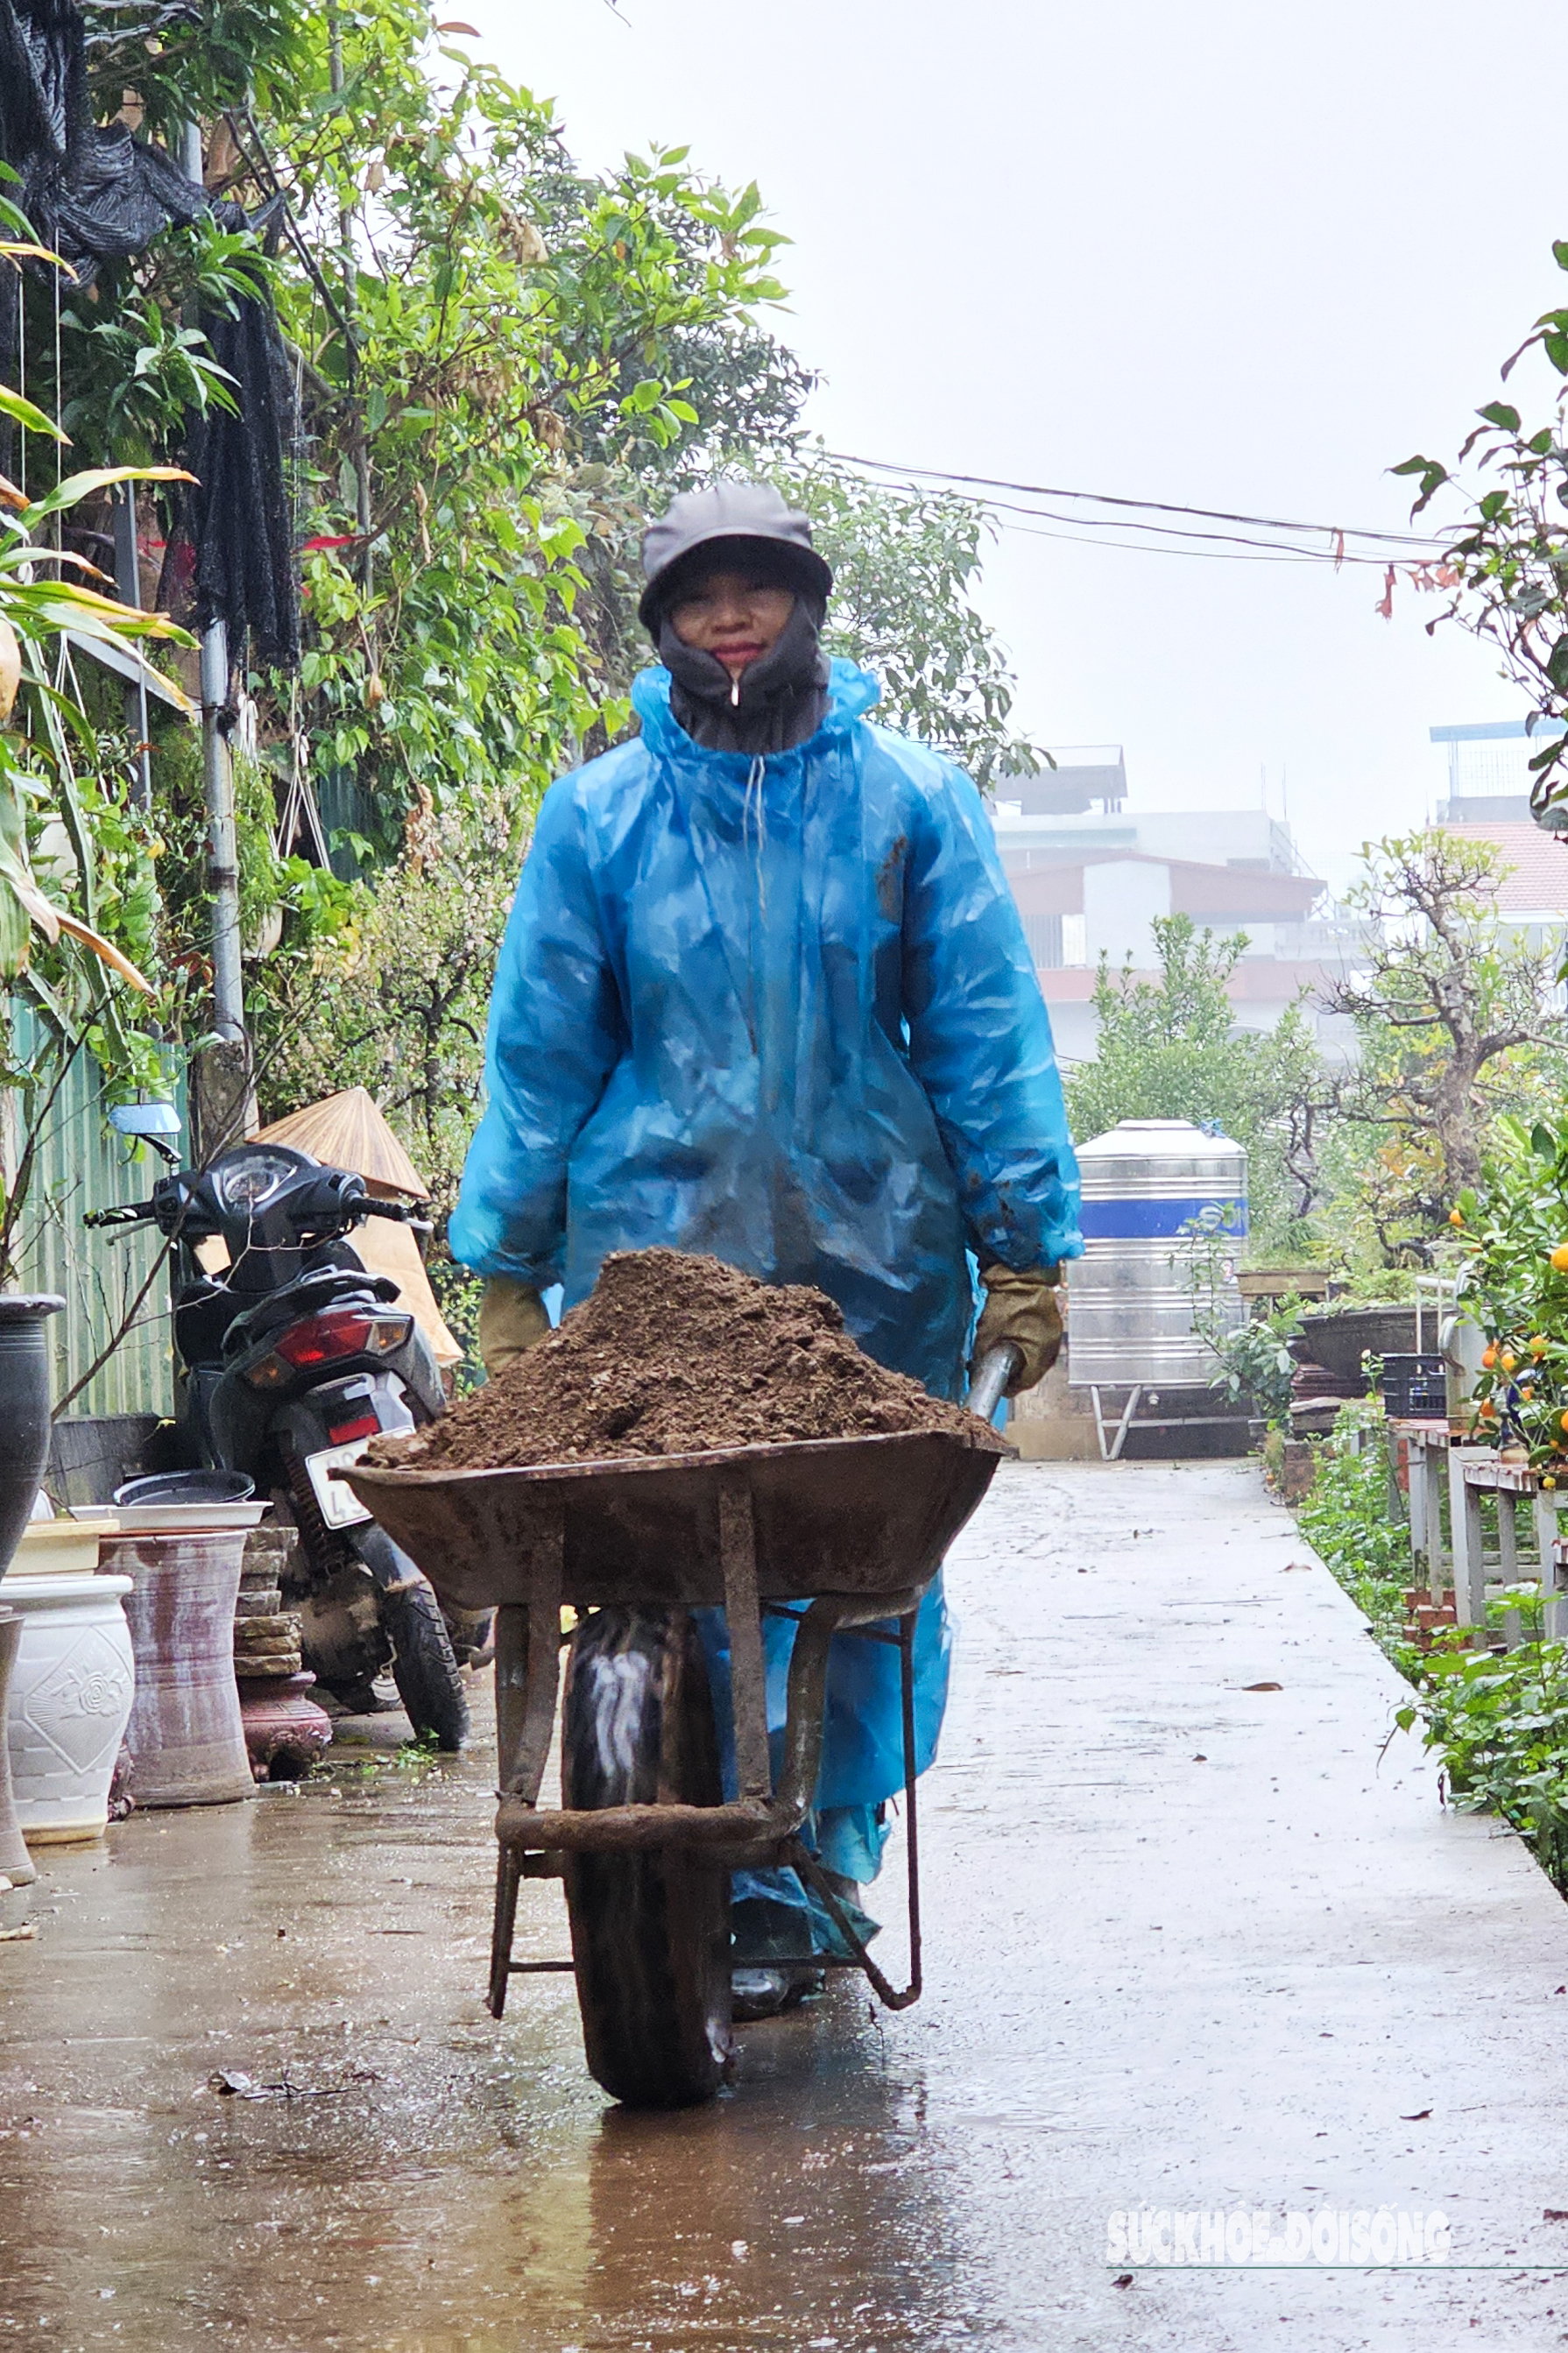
<point x="1336" y="544"/>
<point x="1280" y="554"/>
<point x="1106" y="499"/>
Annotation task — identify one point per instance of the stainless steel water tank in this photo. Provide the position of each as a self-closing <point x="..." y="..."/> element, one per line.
<point x="1131" y="1302"/>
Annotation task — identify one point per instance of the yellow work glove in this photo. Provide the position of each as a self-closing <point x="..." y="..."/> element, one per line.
<point x="512" y="1318"/>
<point x="1024" y="1310"/>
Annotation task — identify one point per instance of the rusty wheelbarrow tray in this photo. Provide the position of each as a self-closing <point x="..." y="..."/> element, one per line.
<point x="856" y="1527"/>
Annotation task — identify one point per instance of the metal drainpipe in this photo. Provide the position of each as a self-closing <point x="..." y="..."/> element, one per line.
<point x="351" y="316"/>
<point x="218" y="770"/>
<point x="223" y="849"/>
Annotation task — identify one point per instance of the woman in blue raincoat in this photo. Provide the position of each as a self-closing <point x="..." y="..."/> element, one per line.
<point x="763" y="994"/>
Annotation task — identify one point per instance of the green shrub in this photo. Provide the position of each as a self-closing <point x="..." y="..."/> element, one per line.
<point x="1348" y="1520"/>
<point x="1500" y="1720"/>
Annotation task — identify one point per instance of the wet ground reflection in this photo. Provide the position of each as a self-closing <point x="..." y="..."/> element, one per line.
<point x="412" y="2174"/>
<point x="1185" y="1948"/>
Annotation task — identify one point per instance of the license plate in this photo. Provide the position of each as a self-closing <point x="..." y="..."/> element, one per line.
<point x="341" y="1507"/>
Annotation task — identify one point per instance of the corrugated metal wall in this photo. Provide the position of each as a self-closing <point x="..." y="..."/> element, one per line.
<point x="85" y="1165"/>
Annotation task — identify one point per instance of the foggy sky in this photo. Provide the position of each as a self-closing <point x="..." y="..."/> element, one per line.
<point x="1245" y="257"/>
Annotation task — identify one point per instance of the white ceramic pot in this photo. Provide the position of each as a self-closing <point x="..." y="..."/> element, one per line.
<point x="71" y="1700"/>
<point x="16" y="1865"/>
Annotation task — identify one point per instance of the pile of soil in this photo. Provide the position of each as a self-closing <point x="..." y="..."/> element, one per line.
<point x="676" y="1354"/>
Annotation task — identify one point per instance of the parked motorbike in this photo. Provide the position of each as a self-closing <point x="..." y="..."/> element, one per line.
<point x="290" y="1358"/>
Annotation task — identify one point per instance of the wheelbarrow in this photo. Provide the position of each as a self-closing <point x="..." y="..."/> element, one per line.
<point x="644" y="1838"/>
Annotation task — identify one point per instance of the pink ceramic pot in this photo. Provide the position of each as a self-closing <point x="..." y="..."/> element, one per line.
<point x="185" y="1736"/>
<point x="285" y="1730"/>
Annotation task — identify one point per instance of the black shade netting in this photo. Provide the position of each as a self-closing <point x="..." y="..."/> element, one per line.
<point x="237" y="519"/>
<point x="92" y="192"/>
<point x="95" y="193"/>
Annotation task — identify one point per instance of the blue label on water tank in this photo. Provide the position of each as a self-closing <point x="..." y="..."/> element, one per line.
<point x="1139" y="1222"/>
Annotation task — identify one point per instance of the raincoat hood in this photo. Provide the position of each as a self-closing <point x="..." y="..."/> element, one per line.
<point x="730" y="522"/>
<point x="850" y="693"/>
<point x="775" y="702"/>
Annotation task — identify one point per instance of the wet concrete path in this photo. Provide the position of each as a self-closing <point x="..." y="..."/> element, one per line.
<point x="1190" y="1946"/>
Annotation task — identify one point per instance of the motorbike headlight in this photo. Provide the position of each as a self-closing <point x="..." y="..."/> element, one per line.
<point x="249" y="1178"/>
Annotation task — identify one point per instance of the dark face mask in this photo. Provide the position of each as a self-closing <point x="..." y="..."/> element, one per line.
<point x="782" y="698"/>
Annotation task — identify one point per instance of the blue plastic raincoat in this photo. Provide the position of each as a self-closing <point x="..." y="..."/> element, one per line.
<point x="781" y="1010"/>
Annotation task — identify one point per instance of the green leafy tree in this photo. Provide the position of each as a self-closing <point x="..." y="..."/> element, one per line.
<point x="1512" y="1235"/>
<point x="397" y="1003"/>
<point x="78" y="898"/>
<point x="134" y="370"/>
<point x="497" y="323"/>
<point x="1170" y="1049"/>
<point x="1506" y="561"/>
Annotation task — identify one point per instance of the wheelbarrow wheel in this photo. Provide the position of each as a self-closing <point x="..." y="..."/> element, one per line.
<point x="650" y="1932"/>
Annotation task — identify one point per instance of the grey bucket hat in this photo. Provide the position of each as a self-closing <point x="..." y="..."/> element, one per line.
<point x="732" y="519"/>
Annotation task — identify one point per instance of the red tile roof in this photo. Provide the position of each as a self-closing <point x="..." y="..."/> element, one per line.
<point x="1241" y="894"/>
<point x="1539" y="882"/>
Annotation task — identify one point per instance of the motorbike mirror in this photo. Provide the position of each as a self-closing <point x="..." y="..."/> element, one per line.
<point x="145" y="1119"/>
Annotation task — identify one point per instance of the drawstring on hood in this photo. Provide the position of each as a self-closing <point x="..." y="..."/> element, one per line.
<point x="851" y="693"/>
<point x="756" y="776"/>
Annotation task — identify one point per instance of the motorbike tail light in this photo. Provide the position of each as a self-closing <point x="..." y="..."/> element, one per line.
<point x="322" y="1339"/>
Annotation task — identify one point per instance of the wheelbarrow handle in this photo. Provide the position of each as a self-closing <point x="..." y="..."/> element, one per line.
<point x="989" y="1380"/>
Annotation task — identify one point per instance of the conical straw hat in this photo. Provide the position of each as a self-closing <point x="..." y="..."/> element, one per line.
<point x="348" y="1131"/>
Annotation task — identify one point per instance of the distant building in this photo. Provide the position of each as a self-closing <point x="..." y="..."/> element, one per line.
<point x="1489" y="800"/>
<point x="1488" y="770"/>
<point x="1090" y="876"/>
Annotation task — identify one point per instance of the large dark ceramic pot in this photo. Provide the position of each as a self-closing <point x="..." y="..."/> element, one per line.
<point x="24" y="1409"/>
<point x="1338" y="1337"/>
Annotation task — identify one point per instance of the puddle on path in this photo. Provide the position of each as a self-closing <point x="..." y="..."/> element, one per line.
<point x="414" y="2177"/>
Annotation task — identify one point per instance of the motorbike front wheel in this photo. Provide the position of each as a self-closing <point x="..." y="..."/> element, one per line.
<point x="650" y="1932"/>
<point x="423" y="1668"/>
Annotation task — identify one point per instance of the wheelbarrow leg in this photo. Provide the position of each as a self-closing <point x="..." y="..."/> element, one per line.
<point x="810" y="1870"/>
<point x="911" y="1814"/>
<point x="528" y="1670"/>
<point x="511" y="1689"/>
<point x="509" y="1874"/>
<point x="737" y="1554"/>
